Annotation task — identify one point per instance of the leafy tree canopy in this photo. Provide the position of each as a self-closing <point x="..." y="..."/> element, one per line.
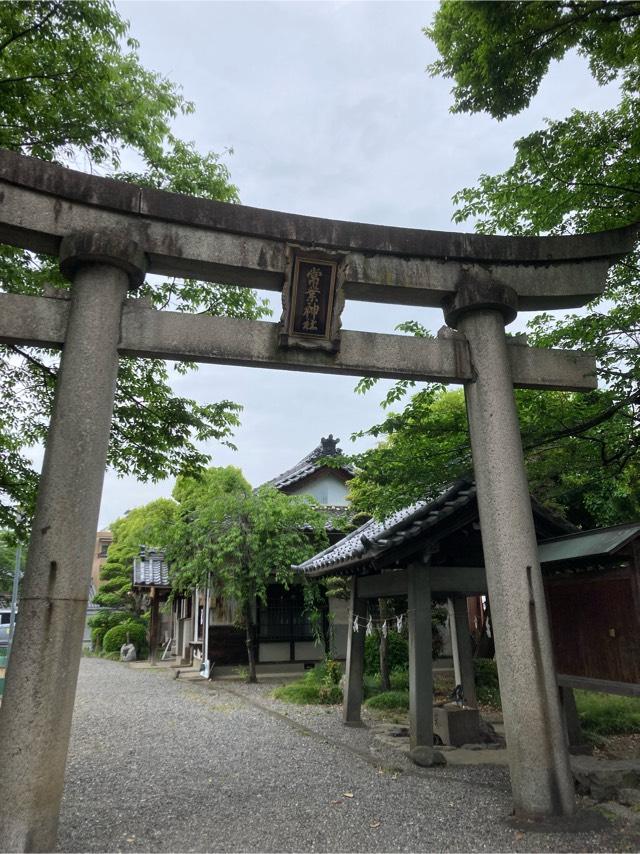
<point x="74" y="91"/>
<point x="581" y="472"/>
<point x="239" y="540"/>
<point x="148" y="525"/>
<point x="241" y="537"/>
<point x="497" y="53"/>
<point x="8" y="561"/>
<point x="577" y="174"/>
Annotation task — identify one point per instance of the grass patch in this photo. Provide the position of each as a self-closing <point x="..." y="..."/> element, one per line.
<point x="399" y="679"/>
<point x="303" y="692"/>
<point x="389" y="701"/>
<point x="608" y="714"/>
<point x="319" y="686"/>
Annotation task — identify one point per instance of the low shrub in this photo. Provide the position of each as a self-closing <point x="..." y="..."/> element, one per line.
<point x="101" y="622"/>
<point x="329" y="691"/>
<point x="487" y="685"/>
<point x="389" y="701"/>
<point x="318" y="686"/>
<point x="608" y="714"/>
<point x="117" y="636"/>
<point x="371" y="685"/>
<point x="302" y="692"/>
<point x="399" y="678"/>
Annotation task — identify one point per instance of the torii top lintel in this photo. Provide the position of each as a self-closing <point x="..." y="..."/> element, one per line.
<point x="41" y="202"/>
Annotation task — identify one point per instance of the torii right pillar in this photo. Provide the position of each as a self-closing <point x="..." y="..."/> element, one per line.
<point x="541" y="778"/>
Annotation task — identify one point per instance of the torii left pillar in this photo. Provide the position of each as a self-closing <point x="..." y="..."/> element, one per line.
<point x="35" y="717"/>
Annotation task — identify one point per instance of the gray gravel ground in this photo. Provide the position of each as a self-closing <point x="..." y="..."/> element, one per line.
<point x="164" y="765"/>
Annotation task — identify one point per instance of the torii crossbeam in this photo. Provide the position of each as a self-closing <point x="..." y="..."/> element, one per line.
<point x="108" y="235"/>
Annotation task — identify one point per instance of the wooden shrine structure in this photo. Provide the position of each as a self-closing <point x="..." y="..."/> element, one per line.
<point x="591" y="583"/>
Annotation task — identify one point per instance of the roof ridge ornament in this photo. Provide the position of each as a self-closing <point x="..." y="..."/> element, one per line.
<point x="329" y="447"/>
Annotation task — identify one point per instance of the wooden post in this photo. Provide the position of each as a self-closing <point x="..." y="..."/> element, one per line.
<point x="420" y="662"/>
<point x="354" y="672"/>
<point x="461" y="646"/>
<point x="179" y="634"/>
<point x="154" y="624"/>
<point x="575" y="738"/>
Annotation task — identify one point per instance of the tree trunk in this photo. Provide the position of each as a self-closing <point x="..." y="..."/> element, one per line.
<point x="251" y="651"/>
<point x="385" y="682"/>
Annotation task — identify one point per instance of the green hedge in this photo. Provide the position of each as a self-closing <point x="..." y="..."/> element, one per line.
<point x="389" y="700"/>
<point x="117" y="636"/>
<point x="101" y="622"/>
<point x="397" y="652"/>
<point x="487" y="685"/>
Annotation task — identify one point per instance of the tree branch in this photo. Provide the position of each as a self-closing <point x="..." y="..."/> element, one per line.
<point x="32" y="29"/>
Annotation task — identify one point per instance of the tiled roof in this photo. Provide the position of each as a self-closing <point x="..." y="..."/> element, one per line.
<point x="374" y="537"/>
<point x="150" y="569"/>
<point x="327" y="448"/>
<point x="600" y="542"/>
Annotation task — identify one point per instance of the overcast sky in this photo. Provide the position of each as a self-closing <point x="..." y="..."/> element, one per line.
<point x="329" y="112"/>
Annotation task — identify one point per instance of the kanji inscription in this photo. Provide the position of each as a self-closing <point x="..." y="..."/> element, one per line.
<point x="311" y="301"/>
<point x="313" y="287"/>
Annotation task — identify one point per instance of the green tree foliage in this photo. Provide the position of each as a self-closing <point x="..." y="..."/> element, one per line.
<point x="582" y="472"/>
<point x="397" y="653"/>
<point x="8" y="561"/>
<point x="74" y="91"/>
<point x="239" y="540"/>
<point x="578" y="174"/>
<point x="148" y="525"/>
<point x="497" y="53"/>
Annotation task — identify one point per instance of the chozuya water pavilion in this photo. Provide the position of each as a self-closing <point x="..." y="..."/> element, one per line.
<point x="108" y="235"/>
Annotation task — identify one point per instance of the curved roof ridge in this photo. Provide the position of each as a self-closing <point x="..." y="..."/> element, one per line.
<point x="355" y="544"/>
<point x="328" y="447"/>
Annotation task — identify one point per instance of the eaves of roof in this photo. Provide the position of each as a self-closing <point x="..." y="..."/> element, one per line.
<point x="150" y="569"/>
<point x="588" y="545"/>
<point x="372" y="538"/>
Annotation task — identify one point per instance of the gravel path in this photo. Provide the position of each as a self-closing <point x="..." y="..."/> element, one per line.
<point x="163" y="765"/>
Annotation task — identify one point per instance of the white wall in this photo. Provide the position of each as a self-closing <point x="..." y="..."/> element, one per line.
<point x="327" y="489"/>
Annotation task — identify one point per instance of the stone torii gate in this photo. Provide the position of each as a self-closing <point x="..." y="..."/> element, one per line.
<point x="108" y="235"/>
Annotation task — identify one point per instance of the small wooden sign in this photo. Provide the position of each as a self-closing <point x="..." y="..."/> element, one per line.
<point x="310" y="318"/>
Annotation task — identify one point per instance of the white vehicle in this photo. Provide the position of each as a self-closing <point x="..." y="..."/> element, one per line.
<point x="5" y="620"/>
